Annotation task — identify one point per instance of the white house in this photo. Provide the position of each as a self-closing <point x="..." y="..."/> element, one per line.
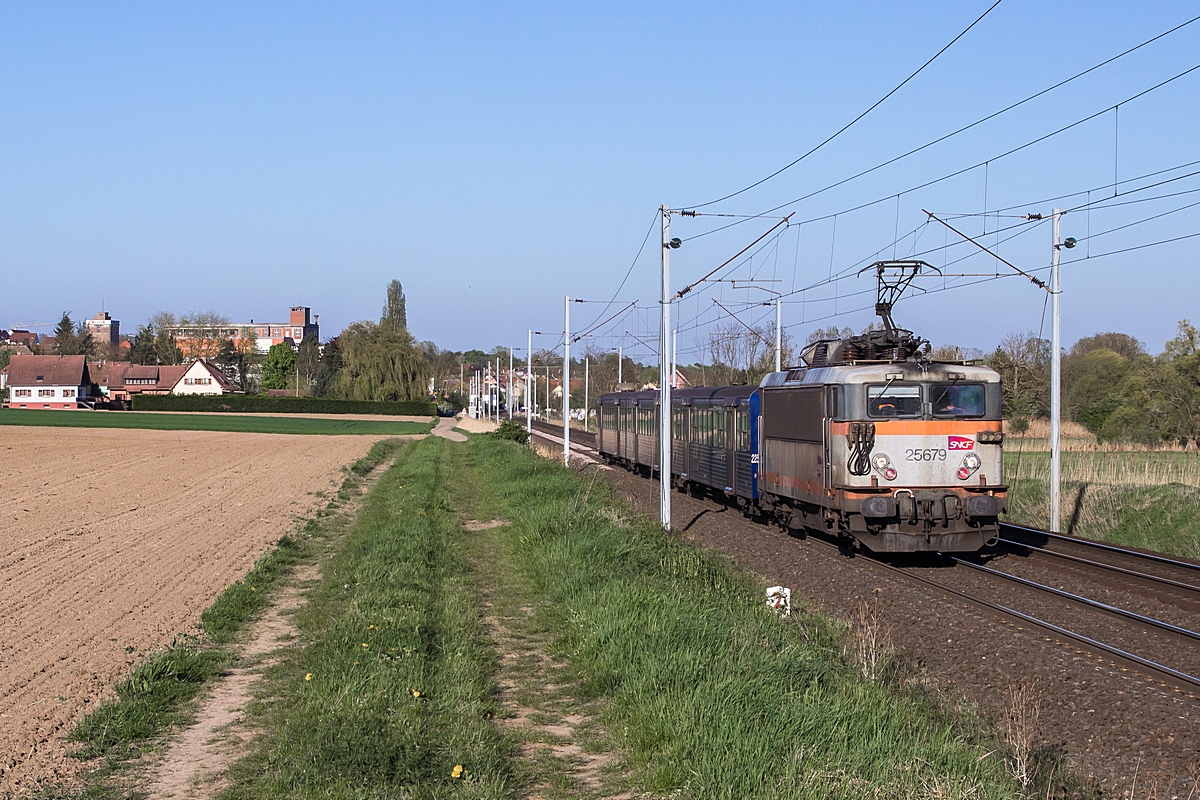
<point x="48" y="382"/>
<point x="202" y="378"/>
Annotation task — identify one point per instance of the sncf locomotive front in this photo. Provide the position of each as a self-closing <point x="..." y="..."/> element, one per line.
<point x="901" y="455"/>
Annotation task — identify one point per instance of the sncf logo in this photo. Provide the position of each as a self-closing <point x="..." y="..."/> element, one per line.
<point x="960" y="443"/>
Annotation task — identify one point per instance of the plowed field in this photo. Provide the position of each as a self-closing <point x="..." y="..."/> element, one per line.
<point x="114" y="541"/>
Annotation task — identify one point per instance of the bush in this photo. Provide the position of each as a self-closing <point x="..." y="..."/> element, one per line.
<point x="254" y="404"/>
<point x="511" y="430"/>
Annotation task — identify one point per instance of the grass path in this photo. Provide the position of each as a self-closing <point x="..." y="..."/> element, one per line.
<point x="392" y="695"/>
<point x="230" y="423"/>
<point x="562" y="750"/>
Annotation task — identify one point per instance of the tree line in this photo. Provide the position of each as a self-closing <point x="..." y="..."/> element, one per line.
<point x="367" y="361"/>
<point x="1111" y="384"/>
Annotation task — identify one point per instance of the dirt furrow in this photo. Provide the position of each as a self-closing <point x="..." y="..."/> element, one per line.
<point x="117" y="540"/>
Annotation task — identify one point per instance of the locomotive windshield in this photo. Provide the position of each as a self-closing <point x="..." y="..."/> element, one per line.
<point x="957" y="400"/>
<point x="893" y="401"/>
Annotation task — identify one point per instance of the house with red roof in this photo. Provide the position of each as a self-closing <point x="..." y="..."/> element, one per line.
<point x="61" y="382"/>
<point x="202" y="377"/>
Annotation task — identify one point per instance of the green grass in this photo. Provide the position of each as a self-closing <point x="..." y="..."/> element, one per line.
<point x="159" y="694"/>
<point x="207" y="422"/>
<point x="706" y="694"/>
<point x="1139" y="499"/>
<point x="393" y="690"/>
<point x="154" y="697"/>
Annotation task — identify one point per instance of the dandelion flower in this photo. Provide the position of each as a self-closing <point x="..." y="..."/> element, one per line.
<point x="458" y="771"/>
<point x="253" y="589"/>
<point x="308" y="677"/>
<point x="416" y="693"/>
<point x="364" y="645"/>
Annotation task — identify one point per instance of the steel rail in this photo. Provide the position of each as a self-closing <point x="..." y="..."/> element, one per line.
<point x="578" y="436"/>
<point x="1159" y="559"/>
<point x="1081" y="600"/>
<point x="1112" y="567"/>
<point x="1181" y="681"/>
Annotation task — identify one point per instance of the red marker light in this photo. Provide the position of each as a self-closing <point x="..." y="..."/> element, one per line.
<point x="890" y="474"/>
<point x="963" y="473"/>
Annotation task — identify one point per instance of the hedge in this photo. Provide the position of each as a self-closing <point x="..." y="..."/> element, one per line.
<point x="255" y="404"/>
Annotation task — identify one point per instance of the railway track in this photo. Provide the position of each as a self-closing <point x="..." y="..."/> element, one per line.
<point x="1173" y="575"/>
<point x="1167" y="653"/>
<point x="579" y="437"/>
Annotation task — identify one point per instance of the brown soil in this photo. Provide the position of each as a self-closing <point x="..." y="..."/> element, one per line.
<point x="116" y="540"/>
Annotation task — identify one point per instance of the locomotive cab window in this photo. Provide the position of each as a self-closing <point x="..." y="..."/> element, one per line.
<point x="890" y="400"/>
<point x="957" y="400"/>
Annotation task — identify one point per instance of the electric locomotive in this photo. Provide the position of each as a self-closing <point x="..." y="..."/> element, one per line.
<point x="867" y="439"/>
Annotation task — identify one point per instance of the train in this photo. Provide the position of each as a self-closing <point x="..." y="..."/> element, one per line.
<point x="867" y="440"/>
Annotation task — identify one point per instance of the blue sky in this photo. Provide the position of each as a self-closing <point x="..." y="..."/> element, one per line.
<point x="246" y="157"/>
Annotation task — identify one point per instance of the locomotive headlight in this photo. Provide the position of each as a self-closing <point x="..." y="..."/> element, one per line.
<point x="970" y="463"/>
<point x="883" y="465"/>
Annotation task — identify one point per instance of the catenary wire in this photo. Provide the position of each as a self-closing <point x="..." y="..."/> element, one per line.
<point x="962" y="170"/>
<point x="849" y="124"/>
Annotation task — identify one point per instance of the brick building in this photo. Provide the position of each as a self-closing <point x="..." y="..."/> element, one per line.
<point x="194" y="340"/>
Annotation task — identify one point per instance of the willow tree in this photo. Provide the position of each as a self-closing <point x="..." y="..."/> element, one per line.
<point x="379" y="362"/>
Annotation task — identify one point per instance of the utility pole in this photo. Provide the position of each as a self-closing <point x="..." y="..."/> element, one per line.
<point x="510" y="369"/>
<point x="586" y="375"/>
<point x="778" y="333"/>
<point x="620" y="362"/>
<point x="1055" y="384"/>
<point x="548" y="395"/>
<point x="664" y="385"/>
<point x="566" y="381"/>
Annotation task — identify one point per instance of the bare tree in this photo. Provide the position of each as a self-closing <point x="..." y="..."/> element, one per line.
<point x="744" y="354"/>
